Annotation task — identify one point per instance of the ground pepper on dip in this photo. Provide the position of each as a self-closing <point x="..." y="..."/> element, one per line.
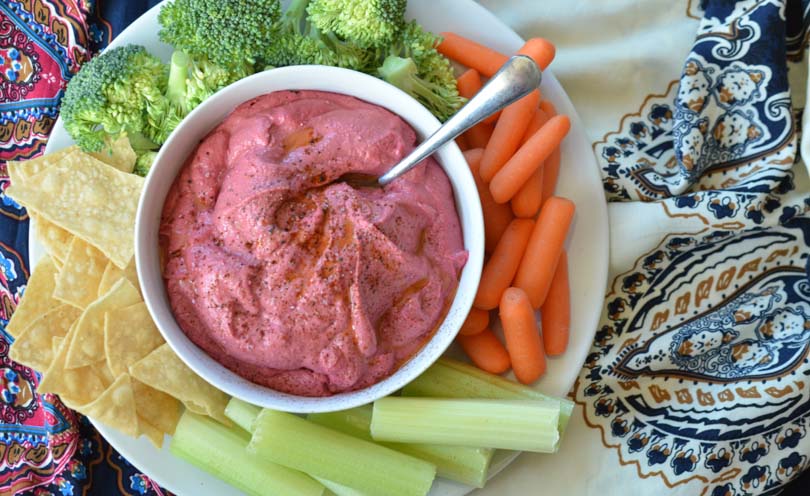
<point x="292" y="280"/>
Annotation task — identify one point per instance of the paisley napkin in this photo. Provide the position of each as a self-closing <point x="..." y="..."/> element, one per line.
<point x="698" y="379"/>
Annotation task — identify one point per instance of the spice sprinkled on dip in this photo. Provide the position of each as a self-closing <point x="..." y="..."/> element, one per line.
<point x="293" y="280"/>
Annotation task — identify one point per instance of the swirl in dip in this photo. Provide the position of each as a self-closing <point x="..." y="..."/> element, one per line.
<point x="295" y="281"/>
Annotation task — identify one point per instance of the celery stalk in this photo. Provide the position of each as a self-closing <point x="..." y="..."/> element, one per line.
<point x="321" y="452"/>
<point x="459" y="463"/>
<point x="339" y="489"/>
<point x="448" y="378"/>
<point x="220" y="451"/>
<point x="242" y="413"/>
<point x="524" y="425"/>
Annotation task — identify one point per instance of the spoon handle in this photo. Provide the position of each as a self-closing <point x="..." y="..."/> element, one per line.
<point x="518" y="77"/>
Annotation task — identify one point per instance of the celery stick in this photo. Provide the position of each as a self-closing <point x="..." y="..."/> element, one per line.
<point x="338" y="489"/>
<point x="448" y="378"/>
<point x="524" y="425"/>
<point x="459" y="463"/>
<point x="220" y="451"/>
<point x="297" y="443"/>
<point x="242" y="413"/>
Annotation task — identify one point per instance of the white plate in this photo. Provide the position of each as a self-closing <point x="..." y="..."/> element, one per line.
<point x="588" y="245"/>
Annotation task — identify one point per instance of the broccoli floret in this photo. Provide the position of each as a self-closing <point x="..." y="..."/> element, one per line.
<point x="191" y="81"/>
<point x="441" y="99"/>
<point x="299" y="42"/>
<point x="366" y="23"/>
<point x="226" y="32"/>
<point x="144" y="163"/>
<point x="119" y="91"/>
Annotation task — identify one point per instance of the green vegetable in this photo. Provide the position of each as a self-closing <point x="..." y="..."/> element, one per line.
<point x="220" y="451"/>
<point x="462" y="464"/>
<point x="325" y="453"/>
<point x="300" y="42"/>
<point x="144" y="163"/>
<point x="338" y="489"/>
<point x="226" y="32"/>
<point x="441" y="99"/>
<point x="524" y="425"/>
<point x="242" y="413"/>
<point x="119" y="91"/>
<point x="448" y="378"/>
<point x="366" y="23"/>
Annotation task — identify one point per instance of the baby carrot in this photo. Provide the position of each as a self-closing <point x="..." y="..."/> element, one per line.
<point x="468" y="84"/>
<point x="522" y="165"/>
<point x="507" y="134"/>
<point x="556" y="310"/>
<point x="548" y="107"/>
<point x="478" y="136"/>
<point x="486" y="351"/>
<point x="474" y="55"/>
<point x="523" y="342"/>
<point x="461" y="141"/>
<point x="528" y="199"/>
<point x="477" y="321"/>
<point x="496" y="216"/>
<point x="540" y="50"/>
<point x="543" y="251"/>
<point x="502" y="265"/>
<point x="551" y="167"/>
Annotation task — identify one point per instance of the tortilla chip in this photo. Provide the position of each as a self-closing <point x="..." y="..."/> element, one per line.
<point x="76" y="387"/>
<point x="59" y="266"/>
<point x="54" y="239"/>
<point x="158" y="408"/>
<point x="112" y="274"/>
<point x="152" y="433"/>
<point x="20" y="171"/>
<point x="129" y="335"/>
<point x="104" y="372"/>
<point x="163" y="370"/>
<point x="33" y="347"/>
<point x="77" y="283"/>
<point x="36" y="298"/>
<point x="89" y="199"/>
<point x="87" y="343"/>
<point x="56" y="343"/>
<point x="115" y="407"/>
<point x="119" y="154"/>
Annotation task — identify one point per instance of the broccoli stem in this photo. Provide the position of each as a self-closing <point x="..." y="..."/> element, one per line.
<point x="178" y="72"/>
<point x="402" y="73"/>
<point x="295" y="16"/>
<point x="141" y="143"/>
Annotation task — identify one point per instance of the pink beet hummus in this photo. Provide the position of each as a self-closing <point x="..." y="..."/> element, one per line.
<point x="295" y="281"/>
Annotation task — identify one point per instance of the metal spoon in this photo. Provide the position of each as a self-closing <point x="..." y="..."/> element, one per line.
<point x="518" y="77"/>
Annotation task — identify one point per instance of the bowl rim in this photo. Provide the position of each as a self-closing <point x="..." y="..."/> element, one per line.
<point x="319" y="78"/>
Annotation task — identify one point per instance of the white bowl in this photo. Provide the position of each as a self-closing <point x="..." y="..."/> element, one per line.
<point x="186" y="137"/>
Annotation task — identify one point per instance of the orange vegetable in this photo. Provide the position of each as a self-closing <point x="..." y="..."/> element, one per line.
<point x="506" y="136"/>
<point x="529" y="197"/>
<point x="539" y="118"/>
<point x="537" y="267"/>
<point x="477" y="321"/>
<point x="556" y="310"/>
<point x="478" y="136"/>
<point x="523" y="342"/>
<point x="496" y="216"/>
<point x="461" y="141"/>
<point x="540" y="50"/>
<point x="503" y="263"/>
<point x="486" y="351"/>
<point x="551" y="167"/>
<point x="468" y="84"/>
<point x="548" y="107"/>
<point x="529" y="158"/>
<point x="474" y="55"/>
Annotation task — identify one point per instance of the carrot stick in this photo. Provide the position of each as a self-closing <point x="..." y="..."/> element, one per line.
<point x="478" y="136"/>
<point x="486" y="351"/>
<point x="528" y="199"/>
<point x="556" y="310"/>
<point x="540" y="50"/>
<point x="477" y="321"/>
<point x="496" y="216"/>
<point x="523" y="342"/>
<point x="507" y="134"/>
<point x="461" y="141"/>
<point x="474" y="55"/>
<point x="551" y="166"/>
<point x="522" y="165"/>
<point x="468" y="84"/>
<point x="502" y="265"/>
<point x="537" y="267"/>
